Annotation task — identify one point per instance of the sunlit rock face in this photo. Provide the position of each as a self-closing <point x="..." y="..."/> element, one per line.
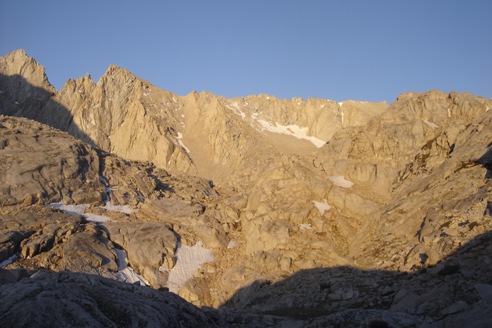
<point x="300" y="212"/>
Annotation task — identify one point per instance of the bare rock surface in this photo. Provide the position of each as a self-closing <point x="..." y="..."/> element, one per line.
<point x="150" y="247"/>
<point x="459" y="286"/>
<point x="90" y="301"/>
<point x="44" y="238"/>
<point x="310" y="212"/>
<point x="41" y="166"/>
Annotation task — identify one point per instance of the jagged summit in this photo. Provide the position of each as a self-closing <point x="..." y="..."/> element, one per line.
<point x="19" y="63"/>
<point x="280" y="212"/>
<point x="115" y="72"/>
<point x="174" y="124"/>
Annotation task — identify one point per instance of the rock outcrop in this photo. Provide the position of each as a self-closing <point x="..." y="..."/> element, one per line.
<point x="300" y="212"/>
<point x="91" y="301"/>
<point x="454" y="293"/>
<point x="40" y="166"/>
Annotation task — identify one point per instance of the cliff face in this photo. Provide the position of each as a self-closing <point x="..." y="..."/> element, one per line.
<point x="270" y="187"/>
<point x="132" y="118"/>
<point x="24" y="86"/>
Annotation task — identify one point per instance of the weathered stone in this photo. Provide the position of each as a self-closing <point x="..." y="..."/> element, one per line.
<point x="315" y="208"/>
<point x="86" y="300"/>
<point x="48" y="165"/>
<point x="150" y="248"/>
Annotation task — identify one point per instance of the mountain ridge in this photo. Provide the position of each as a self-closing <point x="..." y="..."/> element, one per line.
<point x="82" y="96"/>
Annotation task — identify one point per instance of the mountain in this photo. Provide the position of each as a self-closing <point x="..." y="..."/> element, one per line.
<point x="307" y="212"/>
<point x="130" y="117"/>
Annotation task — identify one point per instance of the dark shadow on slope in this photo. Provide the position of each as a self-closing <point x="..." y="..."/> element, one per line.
<point x="20" y="98"/>
<point x="69" y="299"/>
<point x="454" y="285"/>
<point x="486" y="161"/>
<point x="457" y="289"/>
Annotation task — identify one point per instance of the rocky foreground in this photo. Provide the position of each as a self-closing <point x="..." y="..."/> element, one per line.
<point x="116" y="196"/>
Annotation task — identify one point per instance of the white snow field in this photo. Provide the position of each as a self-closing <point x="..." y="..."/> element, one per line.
<point x="290" y="130"/>
<point x="80" y="210"/>
<point x="126" y="273"/>
<point x="322" y="206"/>
<point x="339" y="180"/>
<point x="180" y="142"/>
<point x="189" y="260"/>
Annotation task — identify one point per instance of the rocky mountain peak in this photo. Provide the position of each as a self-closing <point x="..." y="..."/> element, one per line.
<point x="18" y="63"/>
<point x="115" y="72"/>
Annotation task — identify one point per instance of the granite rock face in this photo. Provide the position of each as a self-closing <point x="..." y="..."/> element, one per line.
<point x="82" y="300"/>
<point x="130" y="117"/>
<point x="297" y="212"/>
<point x="40" y="167"/>
<point x="151" y="246"/>
<point x="455" y="289"/>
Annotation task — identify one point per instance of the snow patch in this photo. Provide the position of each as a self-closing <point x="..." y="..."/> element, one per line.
<point x="339" y="180"/>
<point x="8" y="261"/>
<point x="125" y="209"/>
<point x="232" y="244"/>
<point x="291" y="130"/>
<point x="305" y="226"/>
<point x="235" y="108"/>
<point x="125" y="273"/>
<point x="80" y="210"/>
<point x="432" y="125"/>
<point x="180" y="142"/>
<point x="70" y="209"/>
<point x="96" y="218"/>
<point x="322" y="206"/>
<point x="188" y="261"/>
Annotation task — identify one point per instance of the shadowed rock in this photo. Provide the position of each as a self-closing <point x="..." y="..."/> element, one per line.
<point x="90" y="301"/>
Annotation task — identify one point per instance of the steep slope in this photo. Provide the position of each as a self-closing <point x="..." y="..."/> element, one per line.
<point x="130" y="117"/>
<point x="439" y="205"/>
<point x="17" y="97"/>
<point x="43" y="169"/>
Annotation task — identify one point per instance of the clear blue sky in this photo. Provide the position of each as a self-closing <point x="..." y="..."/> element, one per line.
<point x="364" y="50"/>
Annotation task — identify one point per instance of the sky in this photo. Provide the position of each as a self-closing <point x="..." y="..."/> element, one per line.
<point x="339" y="50"/>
